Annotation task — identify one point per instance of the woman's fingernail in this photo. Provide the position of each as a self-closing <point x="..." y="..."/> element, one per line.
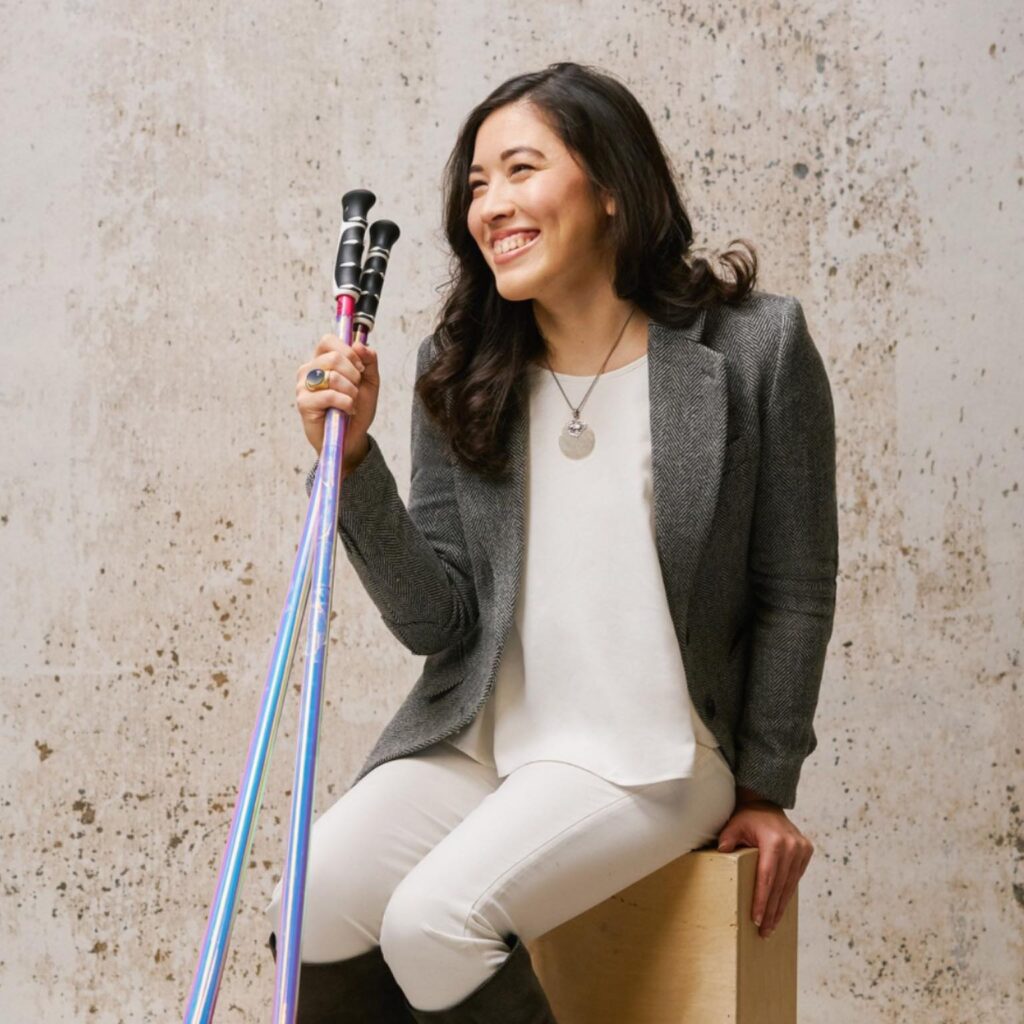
<point x="757" y="921"/>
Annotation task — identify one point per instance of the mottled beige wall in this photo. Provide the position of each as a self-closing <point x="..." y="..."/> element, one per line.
<point x="171" y="177"/>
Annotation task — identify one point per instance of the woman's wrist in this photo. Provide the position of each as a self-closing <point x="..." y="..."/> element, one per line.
<point x="749" y="796"/>
<point x="349" y="464"/>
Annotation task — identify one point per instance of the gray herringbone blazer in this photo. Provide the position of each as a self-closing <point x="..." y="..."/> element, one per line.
<point x="743" y="464"/>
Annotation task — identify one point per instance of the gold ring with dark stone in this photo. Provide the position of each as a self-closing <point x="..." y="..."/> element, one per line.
<point x="317" y="380"/>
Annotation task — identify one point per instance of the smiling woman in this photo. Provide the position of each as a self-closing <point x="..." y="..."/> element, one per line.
<point x="550" y="200"/>
<point x="618" y="557"/>
<point x="568" y="157"/>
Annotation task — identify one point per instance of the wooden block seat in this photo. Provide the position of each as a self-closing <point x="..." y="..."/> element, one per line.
<point x="677" y="947"/>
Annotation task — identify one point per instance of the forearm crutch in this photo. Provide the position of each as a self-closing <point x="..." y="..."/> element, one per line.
<point x="357" y="291"/>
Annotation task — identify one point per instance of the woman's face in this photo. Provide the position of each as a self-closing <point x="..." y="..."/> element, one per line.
<point x="523" y="177"/>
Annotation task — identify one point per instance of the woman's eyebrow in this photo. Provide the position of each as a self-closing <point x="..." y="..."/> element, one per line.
<point x="509" y="152"/>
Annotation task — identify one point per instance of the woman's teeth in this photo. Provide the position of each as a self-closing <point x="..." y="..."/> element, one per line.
<point x="504" y="245"/>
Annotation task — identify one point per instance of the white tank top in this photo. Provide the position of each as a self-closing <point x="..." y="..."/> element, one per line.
<point x="591" y="673"/>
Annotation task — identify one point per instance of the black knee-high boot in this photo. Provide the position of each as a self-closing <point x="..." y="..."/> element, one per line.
<point x="512" y="995"/>
<point x="359" y="990"/>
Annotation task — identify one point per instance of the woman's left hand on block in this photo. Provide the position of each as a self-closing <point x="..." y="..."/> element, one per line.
<point x="783" y="854"/>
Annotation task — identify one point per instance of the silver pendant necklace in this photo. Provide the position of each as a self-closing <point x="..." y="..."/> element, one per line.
<point x="577" y="438"/>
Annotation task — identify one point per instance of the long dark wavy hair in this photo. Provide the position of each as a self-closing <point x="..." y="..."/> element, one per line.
<point x="484" y="342"/>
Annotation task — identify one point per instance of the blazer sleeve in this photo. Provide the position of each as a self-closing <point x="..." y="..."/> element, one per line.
<point x="792" y="563"/>
<point x="412" y="560"/>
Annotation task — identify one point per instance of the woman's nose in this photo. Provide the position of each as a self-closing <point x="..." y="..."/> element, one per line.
<point x="496" y="203"/>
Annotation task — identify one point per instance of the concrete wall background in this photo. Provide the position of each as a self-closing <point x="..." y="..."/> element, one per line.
<point x="171" y="180"/>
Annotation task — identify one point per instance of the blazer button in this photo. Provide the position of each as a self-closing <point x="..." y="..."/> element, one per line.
<point x="709" y="707"/>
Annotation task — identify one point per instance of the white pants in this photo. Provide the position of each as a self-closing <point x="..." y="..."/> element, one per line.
<point x="438" y="860"/>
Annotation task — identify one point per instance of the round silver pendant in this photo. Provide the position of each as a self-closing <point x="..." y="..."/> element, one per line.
<point x="576" y="440"/>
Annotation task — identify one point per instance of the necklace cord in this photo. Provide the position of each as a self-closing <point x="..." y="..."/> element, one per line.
<point x="576" y="412"/>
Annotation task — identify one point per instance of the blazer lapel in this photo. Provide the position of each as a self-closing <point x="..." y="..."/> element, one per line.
<point x="688" y="418"/>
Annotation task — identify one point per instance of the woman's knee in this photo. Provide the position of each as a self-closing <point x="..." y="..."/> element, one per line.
<point x="345" y="893"/>
<point x="438" y="948"/>
<point x="419" y="910"/>
<point x="339" y="917"/>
